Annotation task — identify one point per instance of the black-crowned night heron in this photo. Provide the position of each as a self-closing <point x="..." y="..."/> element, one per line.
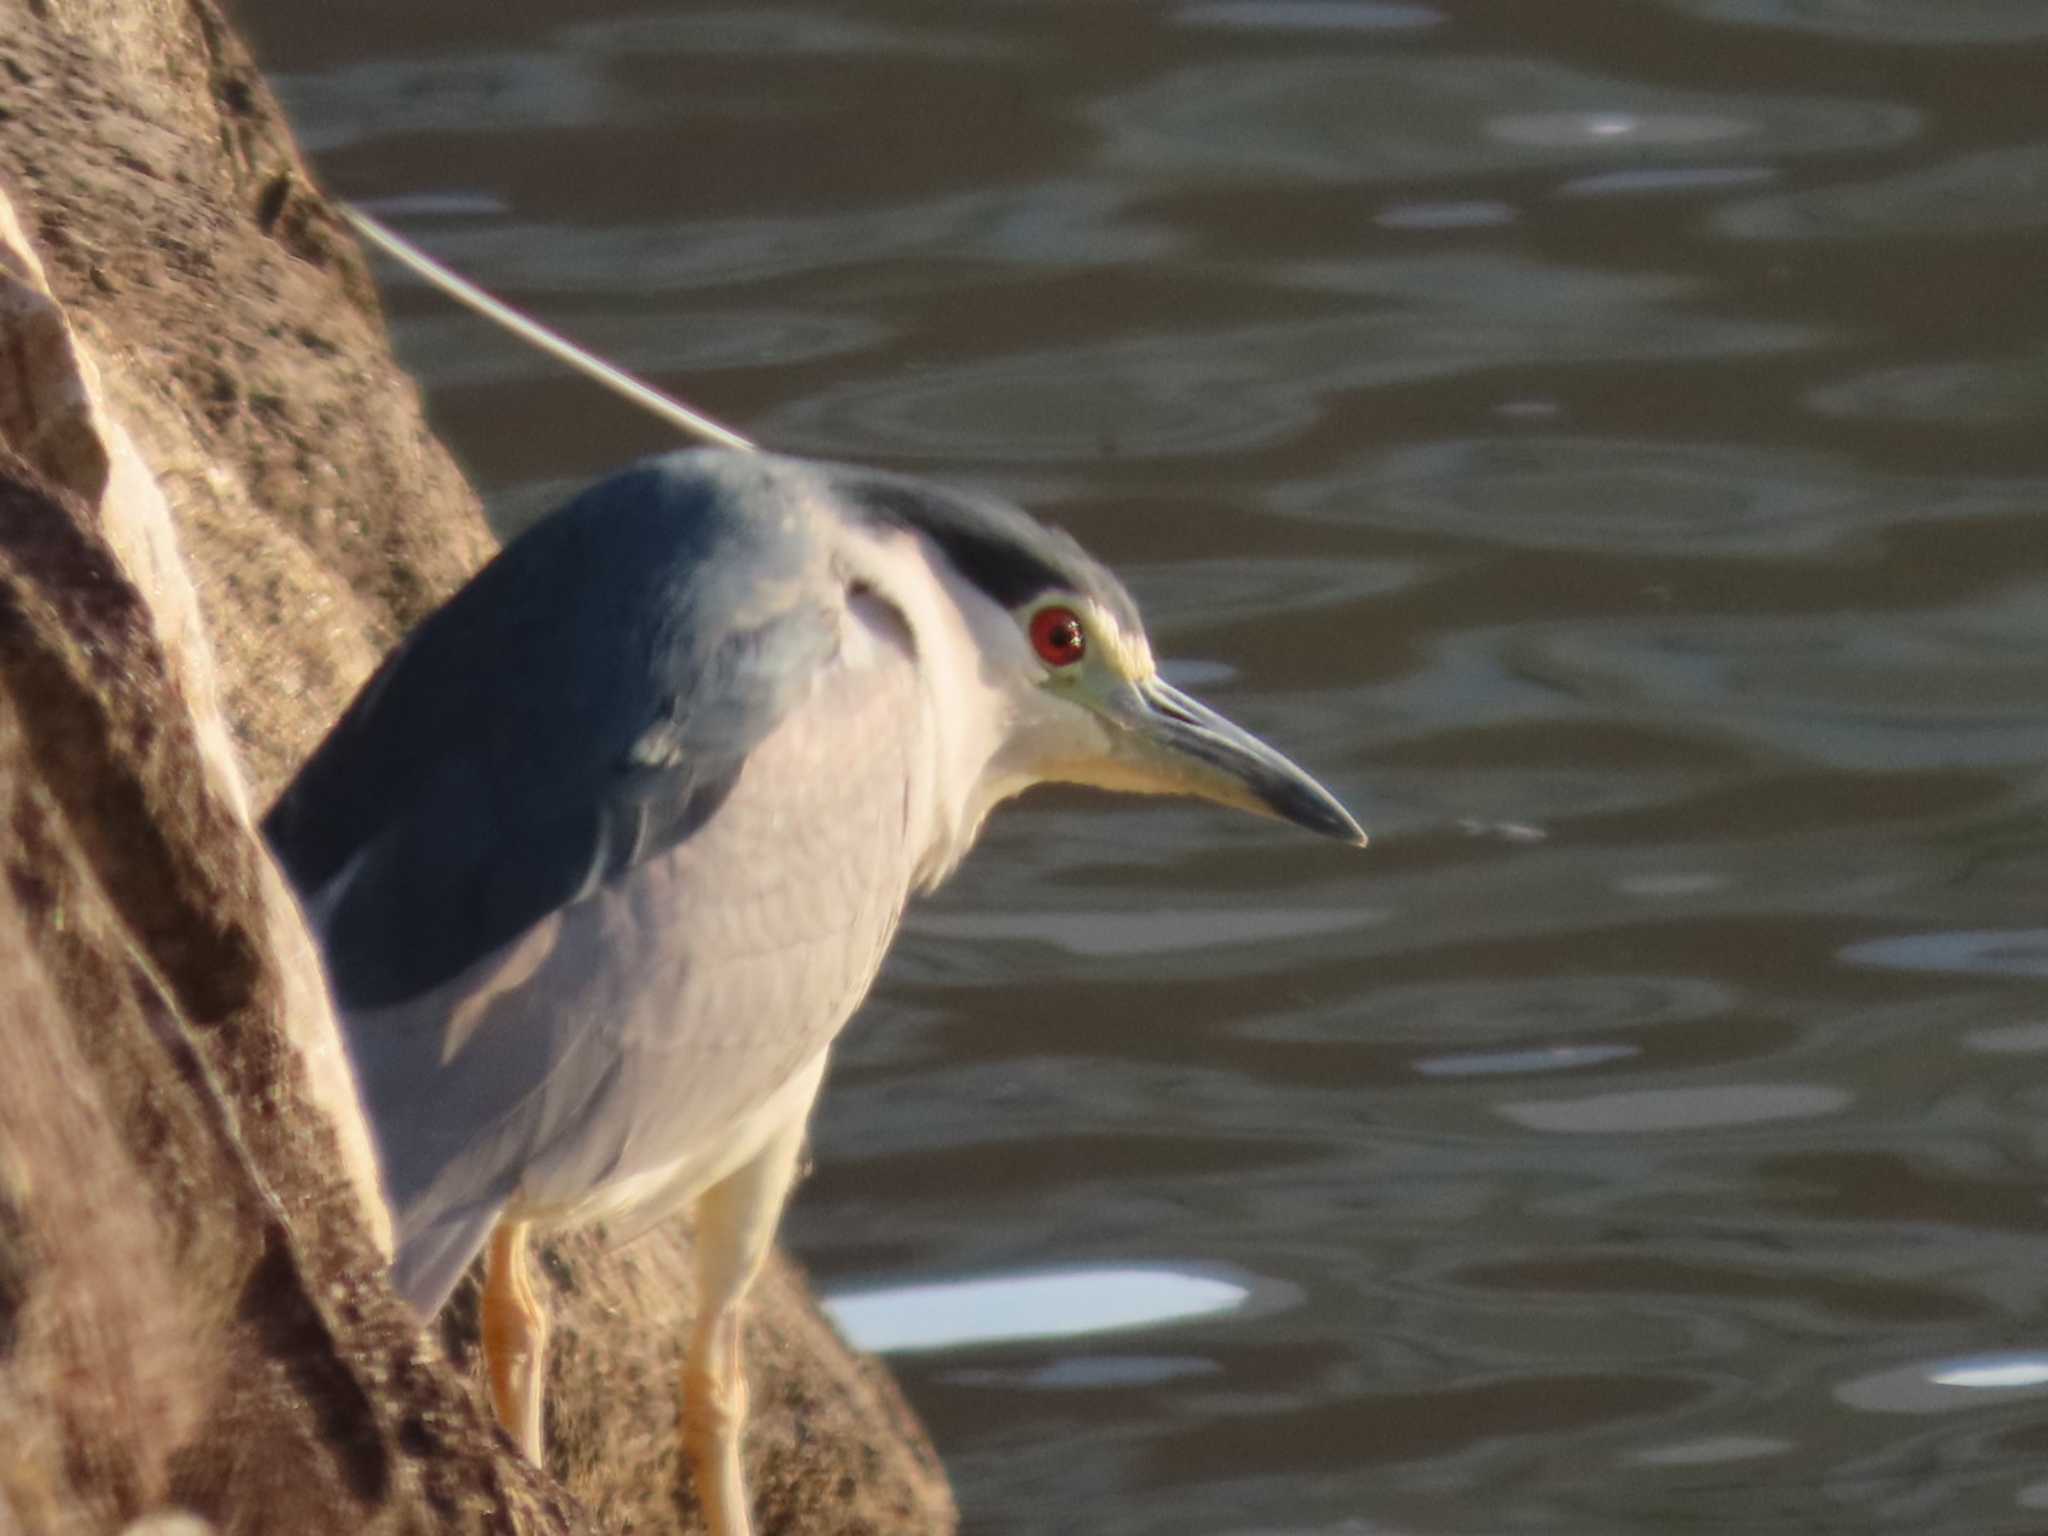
<point x="605" y="855"/>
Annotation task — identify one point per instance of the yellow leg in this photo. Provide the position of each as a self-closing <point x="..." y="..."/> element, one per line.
<point x="714" y="1416"/>
<point x="735" y="1225"/>
<point x="515" y="1330"/>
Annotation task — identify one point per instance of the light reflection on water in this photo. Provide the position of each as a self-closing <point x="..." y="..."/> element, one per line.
<point x="1064" y="1305"/>
<point x="2019" y="952"/>
<point x="1368" y="118"/>
<point x="1653" y="1111"/>
<point x="1955" y="22"/>
<point x="1604" y="441"/>
<point x="1310" y="15"/>
<point x="1947" y="1386"/>
<point x="1155" y="931"/>
<point x="1982" y="193"/>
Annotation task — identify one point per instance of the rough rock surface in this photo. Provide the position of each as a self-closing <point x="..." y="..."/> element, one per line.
<point x="192" y="1312"/>
<point x="51" y="413"/>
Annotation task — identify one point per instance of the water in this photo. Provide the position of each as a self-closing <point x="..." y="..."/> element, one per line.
<point x="1606" y="441"/>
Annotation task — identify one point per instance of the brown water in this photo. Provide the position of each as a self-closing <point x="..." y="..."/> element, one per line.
<point x="1606" y="439"/>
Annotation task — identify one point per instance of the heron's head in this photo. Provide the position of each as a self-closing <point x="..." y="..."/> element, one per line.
<point x="1059" y="644"/>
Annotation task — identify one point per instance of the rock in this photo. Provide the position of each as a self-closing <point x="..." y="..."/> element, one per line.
<point x="193" y="1313"/>
<point x="50" y="412"/>
<point x="193" y="1319"/>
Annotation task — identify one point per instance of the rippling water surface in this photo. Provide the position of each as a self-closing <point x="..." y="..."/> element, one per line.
<point x="1606" y="439"/>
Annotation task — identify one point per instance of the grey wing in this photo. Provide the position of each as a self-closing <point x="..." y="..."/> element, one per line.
<point x="582" y="703"/>
<point x="641" y="1042"/>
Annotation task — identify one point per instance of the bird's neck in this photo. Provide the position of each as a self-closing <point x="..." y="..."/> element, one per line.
<point x="961" y="725"/>
<point x="965" y="770"/>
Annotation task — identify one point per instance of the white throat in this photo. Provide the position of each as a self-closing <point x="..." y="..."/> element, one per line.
<point x="966" y="718"/>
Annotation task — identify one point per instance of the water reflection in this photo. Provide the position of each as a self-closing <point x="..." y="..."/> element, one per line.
<point x="1946" y="1386"/>
<point x="1560" y="491"/>
<point x="1469" y="215"/>
<point x="1156" y="931"/>
<point x="1549" y="1058"/>
<point x="474" y="91"/>
<point x="770" y="33"/>
<point x="1363" y="119"/>
<point x="1965" y="394"/>
<point x="1058" y="1305"/>
<point x="2010" y="952"/>
<point x="1450" y="1009"/>
<point x="450" y="355"/>
<point x="1056" y="224"/>
<point x="1892" y="21"/>
<point x="1213" y="393"/>
<point x="1573" y="492"/>
<point x="1714" y="1450"/>
<point x="2010" y="1039"/>
<point x="1094" y="1373"/>
<point x="1678" y="1109"/>
<point x="1873" y="694"/>
<point x="1980" y="193"/>
<point x="1662" y="180"/>
<point x="1310" y="15"/>
<point x="574" y="76"/>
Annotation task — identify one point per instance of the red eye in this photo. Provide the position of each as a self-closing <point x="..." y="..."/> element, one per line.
<point x="1056" y="636"/>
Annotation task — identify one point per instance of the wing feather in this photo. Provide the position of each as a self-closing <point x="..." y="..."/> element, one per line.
<point x="581" y="705"/>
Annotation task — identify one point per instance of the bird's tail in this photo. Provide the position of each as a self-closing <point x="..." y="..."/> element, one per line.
<point x="432" y="1260"/>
